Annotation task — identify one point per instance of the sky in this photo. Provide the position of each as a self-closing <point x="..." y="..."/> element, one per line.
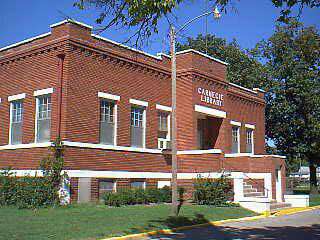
<point x="252" y="21"/>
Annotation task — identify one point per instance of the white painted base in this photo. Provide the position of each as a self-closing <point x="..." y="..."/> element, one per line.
<point x="297" y="200"/>
<point x="259" y="205"/>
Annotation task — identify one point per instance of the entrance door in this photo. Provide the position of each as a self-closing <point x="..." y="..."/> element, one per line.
<point x="84" y="190"/>
<point x="278" y="185"/>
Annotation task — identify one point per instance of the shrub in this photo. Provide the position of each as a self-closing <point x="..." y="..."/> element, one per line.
<point x="137" y="196"/>
<point x="217" y="192"/>
<point x="33" y="191"/>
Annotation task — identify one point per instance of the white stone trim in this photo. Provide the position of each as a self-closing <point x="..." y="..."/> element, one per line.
<point x="127" y="174"/>
<point x="25" y="41"/>
<point x="229" y="155"/>
<point x="163" y="108"/>
<point x="202" y="54"/>
<point x="235" y="123"/>
<point x="70" y="21"/>
<point x="243" y="88"/>
<point x="16" y="97"/>
<point x="272" y="155"/>
<point x="138" y="102"/>
<point x="251" y="126"/>
<point x="0" y="100"/>
<point x="259" y="90"/>
<point x="109" y="96"/>
<point x="25" y="146"/>
<point x="197" y="152"/>
<point x="110" y="147"/>
<point x="43" y="92"/>
<point x="210" y="111"/>
<point x="163" y="54"/>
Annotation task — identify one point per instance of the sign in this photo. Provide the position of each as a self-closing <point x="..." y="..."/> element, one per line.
<point x="210" y="97"/>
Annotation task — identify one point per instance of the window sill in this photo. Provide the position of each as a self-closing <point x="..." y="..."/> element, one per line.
<point x="110" y="147"/>
<point x="25" y="146"/>
<point x="196" y="152"/>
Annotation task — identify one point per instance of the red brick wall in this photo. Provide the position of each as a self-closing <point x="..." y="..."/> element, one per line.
<point x="92" y="65"/>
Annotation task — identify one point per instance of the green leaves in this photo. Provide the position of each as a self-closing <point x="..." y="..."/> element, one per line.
<point x="293" y="102"/>
<point x="243" y="68"/>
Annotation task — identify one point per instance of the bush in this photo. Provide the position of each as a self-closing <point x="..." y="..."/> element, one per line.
<point x="33" y="191"/>
<point x="137" y="196"/>
<point x="217" y="192"/>
<point x="24" y="192"/>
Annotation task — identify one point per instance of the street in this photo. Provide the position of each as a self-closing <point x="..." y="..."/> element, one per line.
<point x="304" y="225"/>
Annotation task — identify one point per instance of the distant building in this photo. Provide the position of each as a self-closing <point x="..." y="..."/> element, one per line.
<point x="304" y="172"/>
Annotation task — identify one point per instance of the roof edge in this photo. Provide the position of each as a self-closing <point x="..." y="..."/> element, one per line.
<point x="202" y="54"/>
<point x="243" y="88"/>
<point x="25" y="41"/>
<point x="70" y="21"/>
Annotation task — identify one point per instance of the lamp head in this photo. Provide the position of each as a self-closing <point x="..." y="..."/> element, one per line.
<point x="216" y="13"/>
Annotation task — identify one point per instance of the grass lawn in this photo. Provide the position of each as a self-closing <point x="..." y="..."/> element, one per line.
<point x="98" y="221"/>
<point x="314" y="200"/>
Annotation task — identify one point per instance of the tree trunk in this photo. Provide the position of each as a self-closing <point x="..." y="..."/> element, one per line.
<point x="313" y="179"/>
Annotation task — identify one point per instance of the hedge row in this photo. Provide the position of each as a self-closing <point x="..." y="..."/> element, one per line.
<point x="137" y="196"/>
<point x="25" y="192"/>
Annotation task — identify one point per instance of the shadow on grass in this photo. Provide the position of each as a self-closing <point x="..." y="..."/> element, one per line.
<point x="170" y="223"/>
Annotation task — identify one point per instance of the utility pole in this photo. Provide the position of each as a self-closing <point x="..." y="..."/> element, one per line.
<point x="174" y="210"/>
<point x="174" y="162"/>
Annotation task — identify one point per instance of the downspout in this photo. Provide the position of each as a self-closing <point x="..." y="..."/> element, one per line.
<point x="60" y="91"/>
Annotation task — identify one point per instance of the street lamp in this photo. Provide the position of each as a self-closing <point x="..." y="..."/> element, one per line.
<point x="173" y="33"/>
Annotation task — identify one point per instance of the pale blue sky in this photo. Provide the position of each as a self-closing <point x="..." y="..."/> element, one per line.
<point x="253" y="21"/>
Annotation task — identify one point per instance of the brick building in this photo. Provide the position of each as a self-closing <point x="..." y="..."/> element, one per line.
<point x="111" y="106"/>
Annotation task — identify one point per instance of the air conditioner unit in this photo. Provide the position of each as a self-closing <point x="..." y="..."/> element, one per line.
<point x="164" y="143"/>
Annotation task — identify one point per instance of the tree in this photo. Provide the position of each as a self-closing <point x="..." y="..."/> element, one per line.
<point x="144" y="15"/>
<point x="243" y="68"/>
<point x="292" y="57"/>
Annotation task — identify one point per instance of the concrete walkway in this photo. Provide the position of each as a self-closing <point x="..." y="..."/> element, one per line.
<point x="304" y="225"/>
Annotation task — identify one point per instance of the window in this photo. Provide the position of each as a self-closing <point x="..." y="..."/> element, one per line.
<point x="235" y="139"/>
<point x="163" y="130"/>
<point x="249" y="141"/>
<point x="137" y="127"/>
<point x="16" y="122"/>
<point x="163" y="121"/>
<point x="138" y="184"/>
<point x="43" y="118"/>
<point x="107" y="122"/>
<point x="107" y="185"/>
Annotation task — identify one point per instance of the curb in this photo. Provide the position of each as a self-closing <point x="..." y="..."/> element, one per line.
<point x="288" y="211"/>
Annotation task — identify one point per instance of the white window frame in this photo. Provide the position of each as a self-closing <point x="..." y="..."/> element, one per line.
<point x="144" y="120"/>
<point x="252" y="139"/>
<point x="115" y="99"/>
<point x="238" y="136"/>
<point x="11" y="116"/>
<point x="115" y="118"/>
<point x="16" y="97"/>
<point x="37" y="112"/>
<point x="168" y="137"/>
